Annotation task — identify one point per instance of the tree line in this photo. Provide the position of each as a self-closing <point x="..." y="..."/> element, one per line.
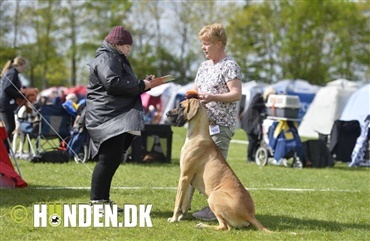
<point x="317" y="41"/>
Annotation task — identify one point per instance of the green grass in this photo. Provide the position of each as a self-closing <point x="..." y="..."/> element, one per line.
<point x="298" y="204"/>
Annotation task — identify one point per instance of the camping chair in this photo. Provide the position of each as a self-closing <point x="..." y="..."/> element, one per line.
<point x="51" y="131"/>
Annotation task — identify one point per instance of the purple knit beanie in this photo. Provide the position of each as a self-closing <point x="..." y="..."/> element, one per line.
<point x="119" y="35"/>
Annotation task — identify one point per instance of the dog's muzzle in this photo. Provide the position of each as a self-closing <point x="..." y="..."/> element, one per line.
<point x="176" y="117"/>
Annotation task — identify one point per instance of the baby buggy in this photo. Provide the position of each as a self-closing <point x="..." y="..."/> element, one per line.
<point x="78" y="145"/>
<point x="280" y="144"/>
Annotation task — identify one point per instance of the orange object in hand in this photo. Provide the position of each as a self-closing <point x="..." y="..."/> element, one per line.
<point x="192" y="94"/>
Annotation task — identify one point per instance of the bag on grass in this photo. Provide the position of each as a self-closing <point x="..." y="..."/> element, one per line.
<point x="55" y="156"/>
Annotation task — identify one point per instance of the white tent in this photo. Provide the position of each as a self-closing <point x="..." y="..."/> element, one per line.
<point x="175" y="95"/>
<point x="358" y="105"/>
<point x="297" y="86"/>
<point x="326" y="107"/>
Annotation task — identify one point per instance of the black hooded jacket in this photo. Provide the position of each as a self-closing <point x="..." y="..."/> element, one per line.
<point x="252" y="119"/>
<point x="10" y="85"/>
<point x="113" y="104"/>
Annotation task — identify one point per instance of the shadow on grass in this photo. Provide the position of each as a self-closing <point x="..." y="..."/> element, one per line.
<point x="283" y="223"/>
<point x="31" y="195"/>
<point x="290" y="223"/>
<point x="352" y="169"/>
<point x="169" y="214"/>
<point x="174" y="162"/>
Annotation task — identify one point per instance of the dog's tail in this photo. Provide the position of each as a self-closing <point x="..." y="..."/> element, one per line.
<point x="258" y="225"/>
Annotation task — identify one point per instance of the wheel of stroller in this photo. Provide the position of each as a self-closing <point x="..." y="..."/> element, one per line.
<point x="262" y="156"/>
<point x="85" y="153"/>
<point x="82" y="155"/>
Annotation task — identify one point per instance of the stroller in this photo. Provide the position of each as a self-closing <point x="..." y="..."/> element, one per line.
<point x="282" y="142"/>
<point x="78" y="145"/>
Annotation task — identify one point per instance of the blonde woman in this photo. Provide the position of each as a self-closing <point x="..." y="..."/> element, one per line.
<point x="218" y="82"/>
<point x="10" y="86"/>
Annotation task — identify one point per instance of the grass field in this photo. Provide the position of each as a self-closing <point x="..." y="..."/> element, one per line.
<point x="297" y="204"/>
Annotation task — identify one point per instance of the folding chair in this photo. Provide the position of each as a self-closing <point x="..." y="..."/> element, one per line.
<point x="54" y="127"/>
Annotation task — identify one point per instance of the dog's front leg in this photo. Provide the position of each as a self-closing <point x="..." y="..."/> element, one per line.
<point x="180" y="196"/>
<point x="186" y="205"/>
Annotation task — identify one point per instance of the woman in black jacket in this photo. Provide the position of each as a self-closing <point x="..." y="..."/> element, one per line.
<point x="114" y="112"/>
<point x="252" y="120"/>
<point x="10" y="91"/>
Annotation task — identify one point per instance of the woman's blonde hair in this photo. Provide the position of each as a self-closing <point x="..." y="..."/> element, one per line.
<point x="213" y="33"/>
<point x="17" y="61"/>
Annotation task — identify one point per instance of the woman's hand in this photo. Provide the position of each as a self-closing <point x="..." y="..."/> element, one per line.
<point x="149" y="77"/>
<point x="206" y="98"/>
<point x="147" y="80"/>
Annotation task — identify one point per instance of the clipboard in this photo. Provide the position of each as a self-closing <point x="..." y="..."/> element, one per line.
<point x="164" y="79"/>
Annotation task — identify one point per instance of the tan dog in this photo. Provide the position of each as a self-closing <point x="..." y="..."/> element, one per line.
<point x="204" y="167"/>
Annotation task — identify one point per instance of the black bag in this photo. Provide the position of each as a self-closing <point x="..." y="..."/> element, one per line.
<point x="55" y="156"/>
<point x="316" y="154"/>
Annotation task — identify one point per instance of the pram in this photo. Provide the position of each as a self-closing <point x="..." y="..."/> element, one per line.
<point x="78" y="145"/>
<point x="282" y="142"/>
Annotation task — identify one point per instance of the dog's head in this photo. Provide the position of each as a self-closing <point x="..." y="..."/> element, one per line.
<point x="185" y="111"/>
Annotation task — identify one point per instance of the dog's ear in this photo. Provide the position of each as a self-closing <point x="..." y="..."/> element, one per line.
<point x="192" y="108"/>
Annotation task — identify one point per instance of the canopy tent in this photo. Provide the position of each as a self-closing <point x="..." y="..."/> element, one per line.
<point x="52" y="91"/>
<point x="79" y="90"/>
<point x="326" y="107"/>
<point x="176" y="95"/>
<point x="358" y="105"/>
<point x="158" y="95"/>
<point x="302" y="88"/>
<point x="53" y="95"/>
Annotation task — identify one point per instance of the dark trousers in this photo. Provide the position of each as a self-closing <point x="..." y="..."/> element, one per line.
<point x="253" y="145"/>
<point x="109" y="158"/>
<point x="8" y="119"/>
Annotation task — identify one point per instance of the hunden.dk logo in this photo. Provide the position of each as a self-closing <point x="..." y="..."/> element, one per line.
<point x="85" y="215"/>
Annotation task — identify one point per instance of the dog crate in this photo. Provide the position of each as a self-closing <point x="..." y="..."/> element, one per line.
<point x="154" y="145"/>
<point x="283" y="106"/>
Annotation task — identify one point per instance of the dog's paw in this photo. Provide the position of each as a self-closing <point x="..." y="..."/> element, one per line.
<point x="183" y="215"/>
<point x="172" y="220"/>
<point x="200" y="225"/>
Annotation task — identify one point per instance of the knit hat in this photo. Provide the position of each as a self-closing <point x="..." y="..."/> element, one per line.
<point x="119" y="35"/>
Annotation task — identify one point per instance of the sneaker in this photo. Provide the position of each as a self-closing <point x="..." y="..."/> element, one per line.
<point x="205" y="214"/>
<point x="110" y="202"/>
<point x="274" y="162"/>
<point x="120" y="210"/>
<point x="93" y="202"/>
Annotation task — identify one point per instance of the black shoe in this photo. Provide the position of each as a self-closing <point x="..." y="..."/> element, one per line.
<point x="120" y="210"/>
<point x="110" y="202"/>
